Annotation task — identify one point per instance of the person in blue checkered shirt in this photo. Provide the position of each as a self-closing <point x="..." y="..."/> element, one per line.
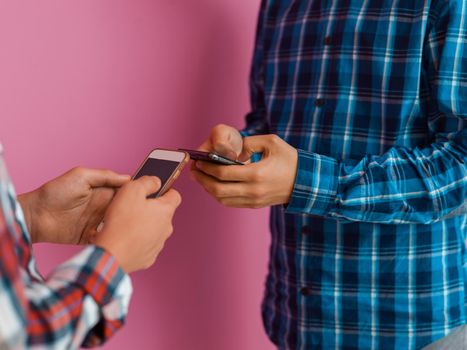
<point x="357" y="140"/>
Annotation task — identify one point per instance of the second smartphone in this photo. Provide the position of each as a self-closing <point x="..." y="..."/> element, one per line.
<point x="210" y="157"/>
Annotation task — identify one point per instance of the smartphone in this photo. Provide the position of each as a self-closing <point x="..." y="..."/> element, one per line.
<point x="210" y="157"/>
<point x="166" y="165"/>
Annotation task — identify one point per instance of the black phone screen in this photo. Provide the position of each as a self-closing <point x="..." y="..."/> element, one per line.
<point x="161" y="168"/>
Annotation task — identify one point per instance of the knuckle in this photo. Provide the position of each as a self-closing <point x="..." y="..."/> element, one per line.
<point x="148" y="263"/>
<point x="257" y="203"/>
<point x="170" y="230"/>
<point x="259" y="175"/>
<point x="177" y="195"/>
<point x="273" y="139"/>
<point x="79" y="170"/>
<point x="216" y="190"/>
<point x="155" y="179"/>
<point x="106" y="173"/>
<point x="257" y="192"/>
<point x="226" y="202"/>
<point x="220" y="173"/>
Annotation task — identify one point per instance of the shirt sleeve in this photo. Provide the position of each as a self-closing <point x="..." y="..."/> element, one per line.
<point x="421" y="185"/>
<point x="82" y="303"/>
<point x="256" y="122"/>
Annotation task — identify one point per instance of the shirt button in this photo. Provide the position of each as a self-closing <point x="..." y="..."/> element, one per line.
<point x="319" y="102"/>
<point x="327" y="41"/>
<point x="305" y="291"/>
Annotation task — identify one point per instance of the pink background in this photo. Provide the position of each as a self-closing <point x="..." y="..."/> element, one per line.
<point x="99" y="84"/>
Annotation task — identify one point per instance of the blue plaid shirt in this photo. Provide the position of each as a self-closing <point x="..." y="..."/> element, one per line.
<point x="370" y="252"/>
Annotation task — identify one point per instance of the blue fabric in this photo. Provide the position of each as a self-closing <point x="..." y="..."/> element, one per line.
<point x="370" y="253"/>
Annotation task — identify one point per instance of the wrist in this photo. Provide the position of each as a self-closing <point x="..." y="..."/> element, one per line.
<point x="113" y="248"/>
<point x="26" y="202"/>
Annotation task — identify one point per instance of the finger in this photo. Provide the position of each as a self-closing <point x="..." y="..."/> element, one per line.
<point x="237" y="202"/>
<point x="104" y="178"/>
<point x="172" y="198"/>
<point x="226" y="141"/>
<point x="237" y="173"/>
<point x="240" y="202"/>
<point x="220" y="189"/>
<point x="257" y="144"/>
<point x="149" y="184"/>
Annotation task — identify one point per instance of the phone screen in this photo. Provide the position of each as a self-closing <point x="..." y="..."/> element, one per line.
<point x="161" y="168"/>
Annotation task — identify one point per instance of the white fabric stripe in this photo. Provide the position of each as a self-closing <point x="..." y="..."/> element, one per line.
<point x="445" y="288"/>
<point x="458" y="58"/>
<point x="374" y="293"/>
<point x="281" y="224"/>
<point x="410" y="292"/>
<point x="88" y="319"/>
<point x="387" y="64"/>
<point x="12" y="335"/>
<point x="355" y="61"/>
<point x="301" y="343"/>
<point x="337" y="284"/>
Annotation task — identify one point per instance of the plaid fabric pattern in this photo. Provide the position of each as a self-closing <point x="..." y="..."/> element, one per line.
<point x="370" y="253"/>
<point x="82" y="303"/>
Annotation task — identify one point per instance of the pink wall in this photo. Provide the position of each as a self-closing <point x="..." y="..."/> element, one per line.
<point x="100" y="83"/>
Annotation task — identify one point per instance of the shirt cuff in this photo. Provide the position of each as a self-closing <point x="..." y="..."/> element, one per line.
<point x="315" y="188"/>
<point x="96" y="271"/>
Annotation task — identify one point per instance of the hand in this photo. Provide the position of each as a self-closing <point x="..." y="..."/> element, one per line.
<point x="68" y="209"/>
<point x="136" y="228"/>
<point x="256" y="185"/>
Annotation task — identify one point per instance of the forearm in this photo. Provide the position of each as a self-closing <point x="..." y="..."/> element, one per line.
<point x="401" y="186"/>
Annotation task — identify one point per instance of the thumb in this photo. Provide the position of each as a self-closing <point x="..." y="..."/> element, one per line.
<point x="255" y="144"/>
<point x="149" y="184"/>
<point x="226" y="141"/>
<point x="104" y="178"/>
